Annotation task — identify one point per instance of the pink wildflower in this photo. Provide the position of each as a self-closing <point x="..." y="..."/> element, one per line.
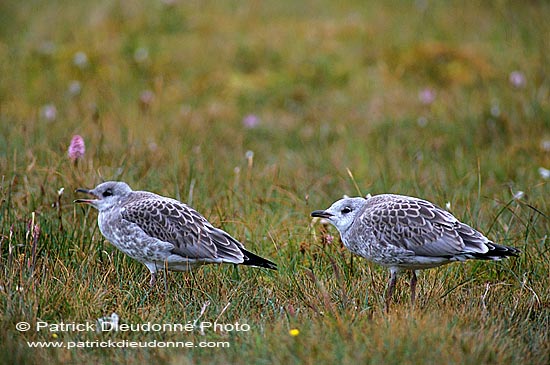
<point x="517" y="79"/>
<point x="251" y="121"/>
<point x="426" y="96"/>
<point x="146" y="98"/>
<point x="76" y="148"/>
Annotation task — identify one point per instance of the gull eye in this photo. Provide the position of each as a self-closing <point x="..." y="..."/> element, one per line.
<point x="107" y="193"/>
<point x="346" y="210"/>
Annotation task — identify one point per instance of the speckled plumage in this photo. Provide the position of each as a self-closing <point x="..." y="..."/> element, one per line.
<point x="406" y="233"/>
<point x="159" y="231"/>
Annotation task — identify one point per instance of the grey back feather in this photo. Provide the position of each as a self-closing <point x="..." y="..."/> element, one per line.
<point x="172" y="221"/>
<point x="419" y="226"/>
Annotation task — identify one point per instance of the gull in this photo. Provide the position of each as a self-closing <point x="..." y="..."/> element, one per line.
<point x="159" y="231"/>
<point x="406" y="233"/>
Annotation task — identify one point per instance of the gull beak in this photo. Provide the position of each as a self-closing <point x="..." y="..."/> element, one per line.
<point x="321" y="214"/>
<point x="86" y="201"/>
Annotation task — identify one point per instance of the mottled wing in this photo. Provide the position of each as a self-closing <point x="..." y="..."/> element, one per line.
<point x="420" y="226"/>
<point x="191" y="234"/>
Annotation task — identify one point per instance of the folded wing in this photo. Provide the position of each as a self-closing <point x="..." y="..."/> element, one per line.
<point x="422" y="227"/>
<point x="182" y="226"/>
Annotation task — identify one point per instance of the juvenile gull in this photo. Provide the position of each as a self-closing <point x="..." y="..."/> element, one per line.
<point x="159" y="231"/>
<point x="406" y="233"/>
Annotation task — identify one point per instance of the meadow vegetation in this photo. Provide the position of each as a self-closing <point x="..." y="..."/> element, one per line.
<point x="256" y="113"/>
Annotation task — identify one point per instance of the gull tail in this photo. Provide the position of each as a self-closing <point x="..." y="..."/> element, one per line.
<point x="480" y="247"/>
<point x="251" y="259"/>
<point x="496" y="252"/>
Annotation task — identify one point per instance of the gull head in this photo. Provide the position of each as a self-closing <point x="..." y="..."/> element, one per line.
<point x="106" y="195"/>
<point x="342" y="213"/>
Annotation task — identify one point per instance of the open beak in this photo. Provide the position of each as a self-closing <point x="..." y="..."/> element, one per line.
<point x="321" y="214"/>
<point x="85" y="191"/>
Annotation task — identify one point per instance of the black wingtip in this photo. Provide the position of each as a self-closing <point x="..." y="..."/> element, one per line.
<point x="251" y="259"/>
<point x="497" y="252"/>
<point x="505" y="251"/>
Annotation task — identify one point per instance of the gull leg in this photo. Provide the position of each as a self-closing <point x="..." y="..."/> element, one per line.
<point x="391" y="287"/>
<point x="153" y="279"/>
<point x="152" y="266"/>
<point x="413" y="287"/>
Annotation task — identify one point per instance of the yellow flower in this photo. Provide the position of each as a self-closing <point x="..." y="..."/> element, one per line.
<point x="54" y="335"/>
<point x="294" y="332"/>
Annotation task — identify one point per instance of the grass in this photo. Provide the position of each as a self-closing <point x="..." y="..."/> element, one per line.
<point x="336" y="89"/>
